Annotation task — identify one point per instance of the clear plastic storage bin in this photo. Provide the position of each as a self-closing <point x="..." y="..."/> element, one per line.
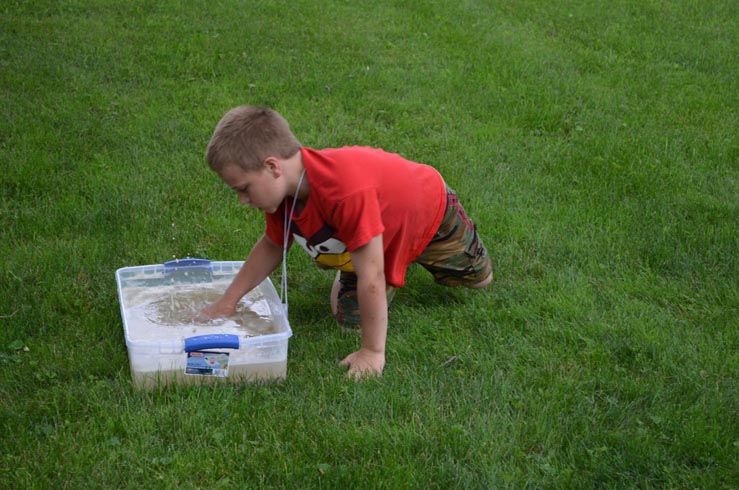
<point x="165" y="344"/>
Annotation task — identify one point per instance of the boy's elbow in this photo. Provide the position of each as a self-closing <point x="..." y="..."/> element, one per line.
<point x="373" y="279"/>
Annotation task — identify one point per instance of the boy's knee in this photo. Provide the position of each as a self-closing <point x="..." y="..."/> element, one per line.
<point x="346" y="310"/>
<point x="344" y="301"/>
<point x="485" y="282"/>
<point x="348" y="323"/>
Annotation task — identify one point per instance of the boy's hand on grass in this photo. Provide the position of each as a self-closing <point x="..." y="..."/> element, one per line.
<point x="364" y="363"/>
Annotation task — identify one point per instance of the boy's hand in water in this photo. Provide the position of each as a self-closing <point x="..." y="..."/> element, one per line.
<point x="219" y="309"/>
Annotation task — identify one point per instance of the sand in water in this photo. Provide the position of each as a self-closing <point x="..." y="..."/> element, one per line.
<point x="169" y="312"/>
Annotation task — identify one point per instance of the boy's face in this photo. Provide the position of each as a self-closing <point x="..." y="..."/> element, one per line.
<point x="260" y="189"/>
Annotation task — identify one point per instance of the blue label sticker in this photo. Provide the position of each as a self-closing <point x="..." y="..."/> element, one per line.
<point x="206" y="363"/>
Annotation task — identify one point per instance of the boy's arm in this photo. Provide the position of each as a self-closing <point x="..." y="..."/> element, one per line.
<point x="262" y="260"/>
<point x="369" y="265"/>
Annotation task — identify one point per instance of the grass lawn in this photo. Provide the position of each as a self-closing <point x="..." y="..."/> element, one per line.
<point x="594" y="143"/>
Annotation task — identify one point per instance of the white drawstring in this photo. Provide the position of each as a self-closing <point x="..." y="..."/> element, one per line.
<point x="285" y="235"/>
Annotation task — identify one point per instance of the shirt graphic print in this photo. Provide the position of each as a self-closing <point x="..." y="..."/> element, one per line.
<point x="324" y="248"/>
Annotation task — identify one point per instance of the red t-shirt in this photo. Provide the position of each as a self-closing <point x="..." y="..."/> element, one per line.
<point x="357" y="193"/>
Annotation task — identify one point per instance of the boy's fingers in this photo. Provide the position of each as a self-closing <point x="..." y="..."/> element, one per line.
<point x="359" y="369"/>
<point x="353" y="372"/>
<point x="360" y="374"/>
<point x="346" y="361"/>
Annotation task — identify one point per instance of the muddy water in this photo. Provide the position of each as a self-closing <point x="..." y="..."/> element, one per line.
<point x="170" y="312"/>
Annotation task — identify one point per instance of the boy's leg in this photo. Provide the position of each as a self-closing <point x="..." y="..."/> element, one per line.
<point x="456" y="256"/>
<point x="344" y="302"/>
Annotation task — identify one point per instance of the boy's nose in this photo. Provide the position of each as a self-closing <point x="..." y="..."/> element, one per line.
<point x="243" y="199"/>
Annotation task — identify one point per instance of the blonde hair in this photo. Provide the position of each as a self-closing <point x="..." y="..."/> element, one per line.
<point x="247" y="135"/>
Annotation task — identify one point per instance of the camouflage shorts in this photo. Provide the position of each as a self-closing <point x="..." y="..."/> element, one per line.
<point x="455" y="257"/>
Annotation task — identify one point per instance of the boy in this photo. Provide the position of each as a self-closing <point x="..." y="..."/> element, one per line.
<point x="362" y="211"/>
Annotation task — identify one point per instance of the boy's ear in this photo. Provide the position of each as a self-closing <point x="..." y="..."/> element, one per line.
<point x="274" y="165"/>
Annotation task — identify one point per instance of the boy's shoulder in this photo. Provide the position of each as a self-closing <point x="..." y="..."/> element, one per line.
<point x="348" y="150"/>
<point x="356" y="154"/>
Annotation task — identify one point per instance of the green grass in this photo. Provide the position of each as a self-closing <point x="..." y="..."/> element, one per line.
<point x="594" y="143"/>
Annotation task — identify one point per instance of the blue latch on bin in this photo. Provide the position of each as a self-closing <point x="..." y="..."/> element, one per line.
<point x="214" y="341"/>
